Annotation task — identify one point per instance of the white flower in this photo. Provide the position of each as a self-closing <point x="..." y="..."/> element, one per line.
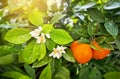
<point x="57" y="52"/>
<point x="36" y="32"/>
<point x="41" y="39"/>
<point x="47" y="35"/>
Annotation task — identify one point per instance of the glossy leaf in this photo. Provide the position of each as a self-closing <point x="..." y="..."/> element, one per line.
<point x="50" y="44"/>
<point x="47" y="28"/>
<point x="112" y="5"/>
<point x="28" y="56"/>
<point x="46" y="73"/>
<point x="89" y="5"/>
<point x="69" y="56"/>
<point x="41" y="49"/>
<point x="111" y="28"/>
<point x="60" y="36"/>
<point x="17" y="35"/>
<point x="42" y="62"/>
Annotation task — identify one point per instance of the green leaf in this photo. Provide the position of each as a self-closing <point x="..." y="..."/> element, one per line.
<point x="42" y="62"/>
<point x="57" y="16"/>
<point x="89" y="5"/>
<point x="47" y="28"/>
<point x="63" y="73"/>
<point x="117" y="42"/>
<point x="95" y="74"/>
<point x="69" y="56"/>
<point x="60" y="36"/>
<point x="41" y="48"/>
<point x="111" y="28"/>
<point x="112" y="5"/>
<point x="50" y="44"/>
<point x="17" y="35"/>
<point x="46" y="73"/>
<point x="96" y="15"/>
<point x="28" y="56"/>
<point x="30" y="71"/>
<point x="16" y="4"/>
<point x="15" y="75"/>
<point x="84" y="71"/>
<point x="112" y="75"/>
<point x="7" y="59"/>
<point x="36" y="17"/>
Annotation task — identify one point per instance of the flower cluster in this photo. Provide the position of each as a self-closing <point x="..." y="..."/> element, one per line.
<point x="39" y="35"/>
<point x="57" y="52"/>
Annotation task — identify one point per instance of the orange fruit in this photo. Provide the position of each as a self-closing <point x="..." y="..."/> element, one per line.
<point x="101" y="52"/>
<point x="81" y="52"/>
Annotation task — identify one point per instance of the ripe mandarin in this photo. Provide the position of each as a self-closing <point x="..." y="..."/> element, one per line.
<point x="81" y="52"/>
<point x="101" y="52"/>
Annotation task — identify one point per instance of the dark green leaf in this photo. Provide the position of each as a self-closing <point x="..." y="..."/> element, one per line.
<point x="63" y="73"/>
<point x="84" y="72"/>
<point x="15" y="75"/>
<point x="60" y="36"/>
<point x="89" y="5"/>
<point x="96" y="15"/>
<point x="117" y="42"/>
<point x="30" y="71"/>
<point x="111" y="28"/>
<point x="17" y="35"/>
<point x="95" y="74"/>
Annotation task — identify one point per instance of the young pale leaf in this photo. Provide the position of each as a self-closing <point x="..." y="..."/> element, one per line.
<point x="57" y="16"/>
<point x="47" y="28"/>
<point x="42" y="62"/>
<point x="63" y="73"/>
<point x="17" y="35"/>
<point x="60" y="36"/>
<point x="69" y="56"/>
<point x="112" y="75"/>
<point x="28" y="56"/>
<point x="46" y="73"/>
<point x="15" y="75"/>
<point x="30" y="71"/>
<point x="7" y="59"/>
<point x="36" y="17"/>
<point x="111" y="28"/>
<point x="41" y="49"/>
<point x="95" y="74"/>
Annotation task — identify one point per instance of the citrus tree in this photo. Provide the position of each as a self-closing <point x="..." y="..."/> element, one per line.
<point x="59" y="39"/>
